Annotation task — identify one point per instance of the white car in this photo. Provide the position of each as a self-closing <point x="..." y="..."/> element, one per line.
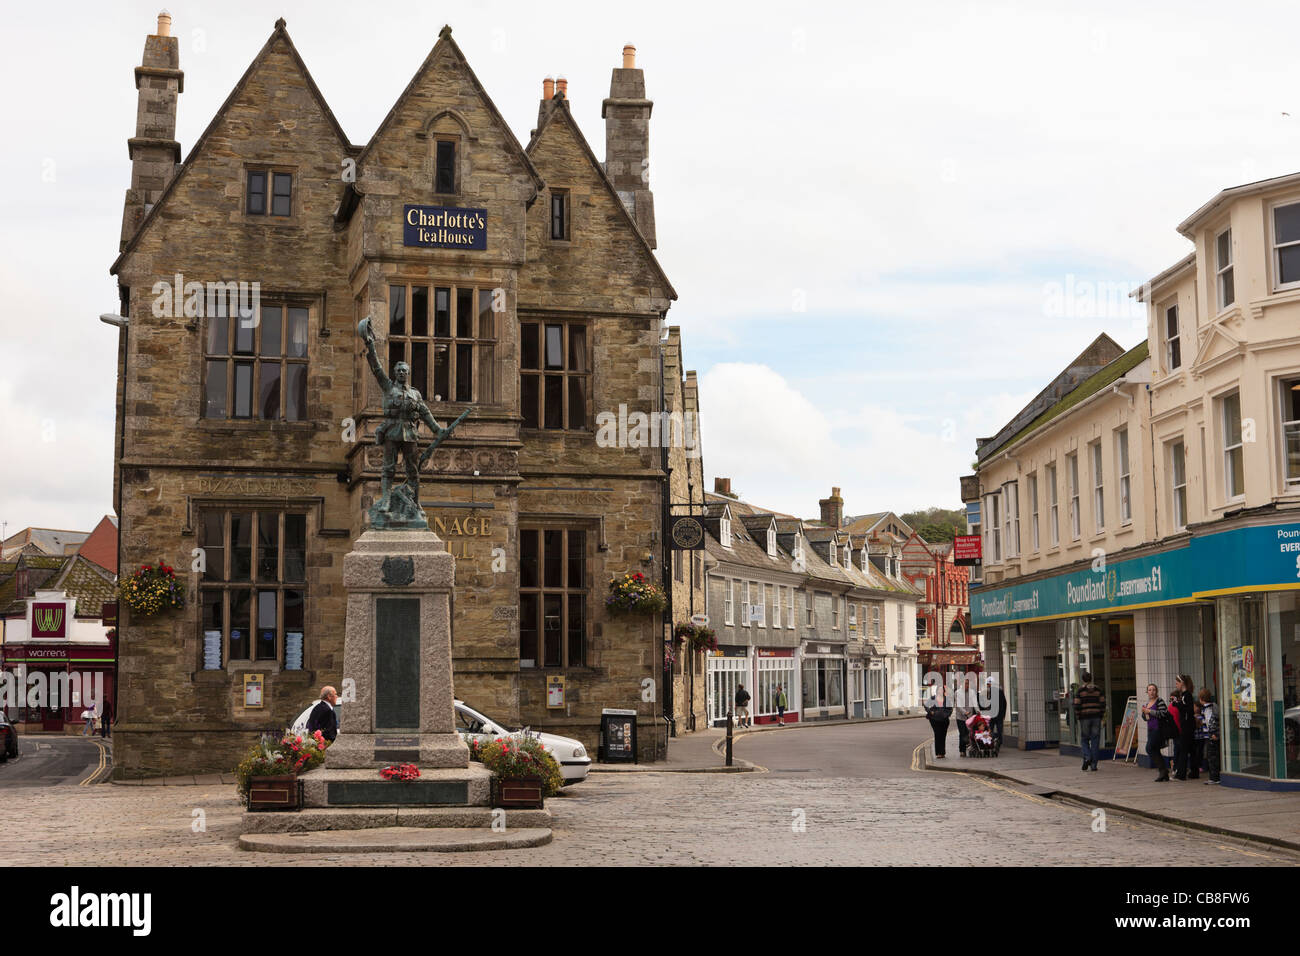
<point x="570" y="754"/>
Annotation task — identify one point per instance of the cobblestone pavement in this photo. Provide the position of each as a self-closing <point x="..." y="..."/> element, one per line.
<point x="905" y="818"/>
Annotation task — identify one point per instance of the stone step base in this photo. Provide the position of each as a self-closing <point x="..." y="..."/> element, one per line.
<point x="396" y="840"/>
<point x="337" y="818"/>
<point x="363" y="789"/>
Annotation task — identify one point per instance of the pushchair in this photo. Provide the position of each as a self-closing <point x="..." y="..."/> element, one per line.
<point x="982" y="742"/>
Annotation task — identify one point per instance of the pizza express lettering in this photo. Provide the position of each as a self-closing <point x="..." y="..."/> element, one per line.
<point x="252" y="486"/>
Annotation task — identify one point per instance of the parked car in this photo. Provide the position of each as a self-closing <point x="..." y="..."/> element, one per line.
<point x="8" y="738"/>
<point x="570" y="754"/>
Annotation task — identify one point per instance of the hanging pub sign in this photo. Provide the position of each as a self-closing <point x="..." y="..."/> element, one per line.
<point x="108" y="614"/>
<point x="444" y="227"/>
<point x="687" y="534"/>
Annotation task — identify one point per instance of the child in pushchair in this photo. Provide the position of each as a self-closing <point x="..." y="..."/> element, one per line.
<point x="981" y="743"/>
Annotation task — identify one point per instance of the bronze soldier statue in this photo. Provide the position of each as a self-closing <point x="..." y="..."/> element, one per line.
<point x="404" y="409"/>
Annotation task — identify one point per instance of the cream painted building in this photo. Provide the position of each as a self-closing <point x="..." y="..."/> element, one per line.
<point x="1141" y="517"/>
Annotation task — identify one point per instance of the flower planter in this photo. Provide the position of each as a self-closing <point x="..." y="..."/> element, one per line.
<point x="518" y="793"/>
<point x="274" y="793"/>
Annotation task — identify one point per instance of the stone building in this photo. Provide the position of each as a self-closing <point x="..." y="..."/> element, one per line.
<point x="517" y="282"/>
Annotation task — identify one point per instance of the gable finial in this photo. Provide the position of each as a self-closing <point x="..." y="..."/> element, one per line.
<point x="445" y="32"/>
<point x="280" y="25"/>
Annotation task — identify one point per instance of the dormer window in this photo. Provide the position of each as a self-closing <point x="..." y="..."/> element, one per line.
<point x="863" y="556"/>
<point x="444" y="168"/>
<point x="848" y="556"/>
<point x="724" y="530"/>
<point x="833" y="558"/>
<point x="771" y="542"/>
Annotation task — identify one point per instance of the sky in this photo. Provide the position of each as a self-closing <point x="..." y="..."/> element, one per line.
<point x="889" y="225"/>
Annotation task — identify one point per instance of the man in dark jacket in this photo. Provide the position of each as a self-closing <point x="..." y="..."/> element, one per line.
<point x="997" y="714"/>
<point x="323" y="716"/>
<point x="742" y="706"/>
<point x="1089" y="707"/>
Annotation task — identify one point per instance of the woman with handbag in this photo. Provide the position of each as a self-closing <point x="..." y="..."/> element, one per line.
<point x="1156" y="713"/>
<point x="939" y="714"/>
<point x="1181" y="709"/>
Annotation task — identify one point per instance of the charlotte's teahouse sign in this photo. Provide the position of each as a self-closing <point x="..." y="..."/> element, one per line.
<point x="444" y="227"/>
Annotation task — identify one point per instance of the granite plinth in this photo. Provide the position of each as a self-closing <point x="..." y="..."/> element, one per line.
<point x="395" y="840"/>
<point x="364" y="789"/>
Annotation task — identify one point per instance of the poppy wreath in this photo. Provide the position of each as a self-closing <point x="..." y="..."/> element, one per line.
<point x="400" y="771"/>
<point x="634" y="593"/>
<point x="151" y="589"/>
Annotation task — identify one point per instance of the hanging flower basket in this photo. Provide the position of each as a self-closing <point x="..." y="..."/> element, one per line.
<point x="697" y="637"/>
<point x="152" y="589"/>
<point x="635" y="594"/>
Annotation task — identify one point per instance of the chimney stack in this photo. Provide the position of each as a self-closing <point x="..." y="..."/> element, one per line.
<point x="548" y="88"/>
<point x="627" y="142"/>
<point x="832" y="509"/>
<point x="722" y="486"/>
<point x="561" y="87"/>
<point x="153" y="149"/>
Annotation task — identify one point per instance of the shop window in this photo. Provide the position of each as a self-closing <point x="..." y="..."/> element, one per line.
<point x="552" y="597"/>
<point x="255" y="367"/>
<point x="447" y="336"/>
<point x="252" y="593"/>
<point x="555" y="375"/>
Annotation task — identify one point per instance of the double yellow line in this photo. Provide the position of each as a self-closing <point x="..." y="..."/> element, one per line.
<point x="103" y="764"/>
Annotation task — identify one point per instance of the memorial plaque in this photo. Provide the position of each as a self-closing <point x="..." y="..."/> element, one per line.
<point x="379" y="793"/>
<point x="397" y="663"/>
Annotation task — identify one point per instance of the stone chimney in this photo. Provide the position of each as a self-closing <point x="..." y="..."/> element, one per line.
<point x="832" y="509"/>
<point x="627" y="142"/>
<point x="722" y="486"/>
<point x="153" y="149"/>
<point x="547" y="104"/>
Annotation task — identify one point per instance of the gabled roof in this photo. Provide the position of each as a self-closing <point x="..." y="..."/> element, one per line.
<point x="90" y="584"/>
<point x="53" y="541"/>
<point x="559" y="112"/>
<point x="279" y="34"/>
<point x="1188" y="226"/>
<point x="101" y="546"/>
<point x="446" y="44"/>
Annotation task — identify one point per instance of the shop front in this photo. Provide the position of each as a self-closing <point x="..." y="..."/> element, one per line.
<point x="1221" y="609"/>
<point x="52" y="686"/>
<point x="824" y="679"/>
<point x="728" y="668"/>
<point x="778" y="672"/>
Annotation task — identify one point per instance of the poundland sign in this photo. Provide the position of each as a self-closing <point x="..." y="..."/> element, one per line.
<point x="444" y="227"/>
<point x="1230" y="561"/>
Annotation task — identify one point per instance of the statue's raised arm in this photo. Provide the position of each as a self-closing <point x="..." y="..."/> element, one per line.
<point x="368" y="337"/>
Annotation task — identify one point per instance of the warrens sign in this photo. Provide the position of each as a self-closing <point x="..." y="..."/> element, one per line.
<point x="444" y="227"/>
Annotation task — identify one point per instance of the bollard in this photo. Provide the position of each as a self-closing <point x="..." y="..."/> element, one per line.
<point x="729" y="726"/>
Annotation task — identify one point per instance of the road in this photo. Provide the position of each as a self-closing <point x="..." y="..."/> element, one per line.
<point x="830" y="796"/>
<point x="51" y="761"/>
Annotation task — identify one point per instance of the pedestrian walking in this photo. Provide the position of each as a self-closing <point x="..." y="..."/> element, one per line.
<point x="88" y="728"/>
<point x="997" y="711"/>
<point x="323" y="716"/>
<point x="742" y="706"/>
<point x="1089" y="708"/>
<point x="106" y="718"/>
<point x="939" y="714"/>
<point x="781" y="703"/>
<point x="1180" y="706"/>
<point x="1210" y="720"/>
<point x="1156" y="713"/>
<point x="965" y="706"/>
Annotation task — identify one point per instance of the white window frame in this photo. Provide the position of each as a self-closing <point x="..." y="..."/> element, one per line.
<point x="790" y="620"/>
<point x="1072" y="472"/>
<point x="863" y="558"/>
<point x="1125" y="485"/>
<point x="724" y="532"/>
<point x="744" y="604"/>
<point x="900" y="620"/>
<point x="1011" y="518"/>
<point x="853" y="614"/>
<point x="810" y="609"/>
<point x="1278" y="284"/>
<point x="835" y="612"/>
<point x="834" y="560"/>
<point x="1289" y="425"/>
<point x="1098" y="488"/>
<point x="993" y="505"/>
<point x="875" y="620"/>
<point x="848" y="556"/>
<point x="773" y="611"/>
<point x="1173" y="343"/>
<point x="771" y="542"/>
<point x="1178" y="482"/>
<point x="729" y="603"/>
<point x="1223" y="270"/>
<point x="1230" y="491"/>
<point x="1054" y="506"/>
<point x="1032" y="483"/>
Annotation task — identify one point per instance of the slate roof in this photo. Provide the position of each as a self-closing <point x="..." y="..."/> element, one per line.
<point x="53" y="541"/>
<point x="90" y="584"/>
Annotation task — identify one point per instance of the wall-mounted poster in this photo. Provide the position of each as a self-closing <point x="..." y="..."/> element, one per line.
<point x="1243" y="678"/>
<point x="253" y="689"/>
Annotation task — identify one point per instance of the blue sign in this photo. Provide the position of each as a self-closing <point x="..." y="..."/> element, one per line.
<point x="1229" y="561"/>
<point x="444" y="227"/>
